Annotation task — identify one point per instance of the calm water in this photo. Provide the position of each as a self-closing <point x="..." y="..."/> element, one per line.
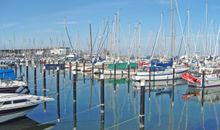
<point x="121" y="107"/>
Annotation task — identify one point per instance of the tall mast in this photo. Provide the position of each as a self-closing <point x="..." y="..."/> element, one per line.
<point x="115" y="36"/>
<point x="206" y="27"/>
<point x="91" y="45"/>
<point x="67" y="33"/>
<point x="173" y="29"/>
<point x="188" y="20"/>
<point x="118" y="21"/>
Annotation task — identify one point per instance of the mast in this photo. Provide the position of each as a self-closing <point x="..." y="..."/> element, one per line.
<point x="173" y="30"/>
<point x="67" y="33"/>
<point x="91" y="45"/>
<point x="206" y="27"/>
<point x="188" y="20"/>
<point x="118" y="21"/>
<point x="115" y="36"/>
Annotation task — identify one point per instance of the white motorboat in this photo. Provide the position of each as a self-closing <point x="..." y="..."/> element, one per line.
<point x="13" y="86"/>
<point x="17" y="105"/>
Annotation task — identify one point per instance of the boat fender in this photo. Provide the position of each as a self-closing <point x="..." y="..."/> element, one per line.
<point x="19" y="89"/>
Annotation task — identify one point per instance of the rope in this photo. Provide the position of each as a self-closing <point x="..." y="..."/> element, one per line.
<point x="123" y="122"/>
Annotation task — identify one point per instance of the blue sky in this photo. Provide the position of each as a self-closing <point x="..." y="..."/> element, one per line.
<point x="24" y="20"/>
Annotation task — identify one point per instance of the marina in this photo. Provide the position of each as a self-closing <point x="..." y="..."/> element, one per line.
<point x="109" y="65"/>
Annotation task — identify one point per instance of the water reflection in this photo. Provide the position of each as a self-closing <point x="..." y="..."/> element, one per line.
<point x="25" y="123"/>
<point x="194" y="108"/>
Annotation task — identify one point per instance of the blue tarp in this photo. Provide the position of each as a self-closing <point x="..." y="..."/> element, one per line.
<point x="54" y="66"/>
<point x="7" y="74"/>
<point x="158" y="63"/>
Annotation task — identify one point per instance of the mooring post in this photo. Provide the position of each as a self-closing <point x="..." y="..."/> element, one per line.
<point x="92" y="70"/>
<point x="173" y="85"/>
<point x="70" y="69"/>
<point x="114" y="70"/>
<point x="102" y="93"/>
<point x="20" y="69"/>
<point x="44" y="85"/>
<point x="203" y="88"/>
<point x="27" y="71"/>
<point x="16" y="73"/>
<point x="154" y="80"/>
<point x="44" y="78"/>
<point x="103" y="68"/>
<point x="58" y="94"/>
<point x="142" y="103"/>
<point x="35" y="80"/>
<point x="114" y="76"/>
<point x="129" y="70"/>
<point x="203" y="78"/>
<point x="76" y="69"/>
<point x="149" y="87"/>
<point x="64" y="70"/>
<point x="53" y="67"/>
<point x="102" y="103"/>
<point x="48" y="69"/>
<point x="84" y="65"/>
<point x="74" y="90"/>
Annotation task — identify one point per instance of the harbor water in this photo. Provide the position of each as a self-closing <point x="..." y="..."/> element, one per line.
<point x="181" y="108"/>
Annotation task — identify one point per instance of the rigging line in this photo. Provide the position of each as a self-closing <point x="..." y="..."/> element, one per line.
<point x="104" y="42"/>
<point x="184" y="31"/>
<point x="155" y="42"/>
<point x="180" y="22"/>
<point x="68" y="36"/>
<point x="103" y="39"/>
<point x="123" y="122"/>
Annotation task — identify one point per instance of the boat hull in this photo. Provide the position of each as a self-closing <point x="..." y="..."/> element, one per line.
<point x="6" y="115"/>
<point x="159" y="76"/>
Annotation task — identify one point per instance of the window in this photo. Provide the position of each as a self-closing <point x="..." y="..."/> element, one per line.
<point x="6" y="102"/>
<point x="20" y="101"/>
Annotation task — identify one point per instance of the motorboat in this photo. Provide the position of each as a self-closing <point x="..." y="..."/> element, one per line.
<point x="13" y="86"/>
<point x="13" y="105"/>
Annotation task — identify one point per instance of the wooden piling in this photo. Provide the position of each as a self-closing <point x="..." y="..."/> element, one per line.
<point x="44" y="78"/>
<point x="74" y="90"/>
<point x="102" y="89"/>
<point x="70" y="69"/>
<point x="48" y="69"/>
<point x="173" y="85"/>
<point x="129" y="70"/>
<point x="64" y="70"/>
<point x="142" y="103"/>
<point x="203" y="78"/>
<point x="76" y="68"/>
<point x="149" y="92"/>
<point x="103" y="68"/>
<point x="20" y="69"/>
<point x="58" y="94"/>
<point x="44" y="85"/>
<point x="27" y="71"/>
<point x="35" y="80"/>
<point x="84" y="66"/>
<point x="53" y="68"/>
<point x="16" y="73"/>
